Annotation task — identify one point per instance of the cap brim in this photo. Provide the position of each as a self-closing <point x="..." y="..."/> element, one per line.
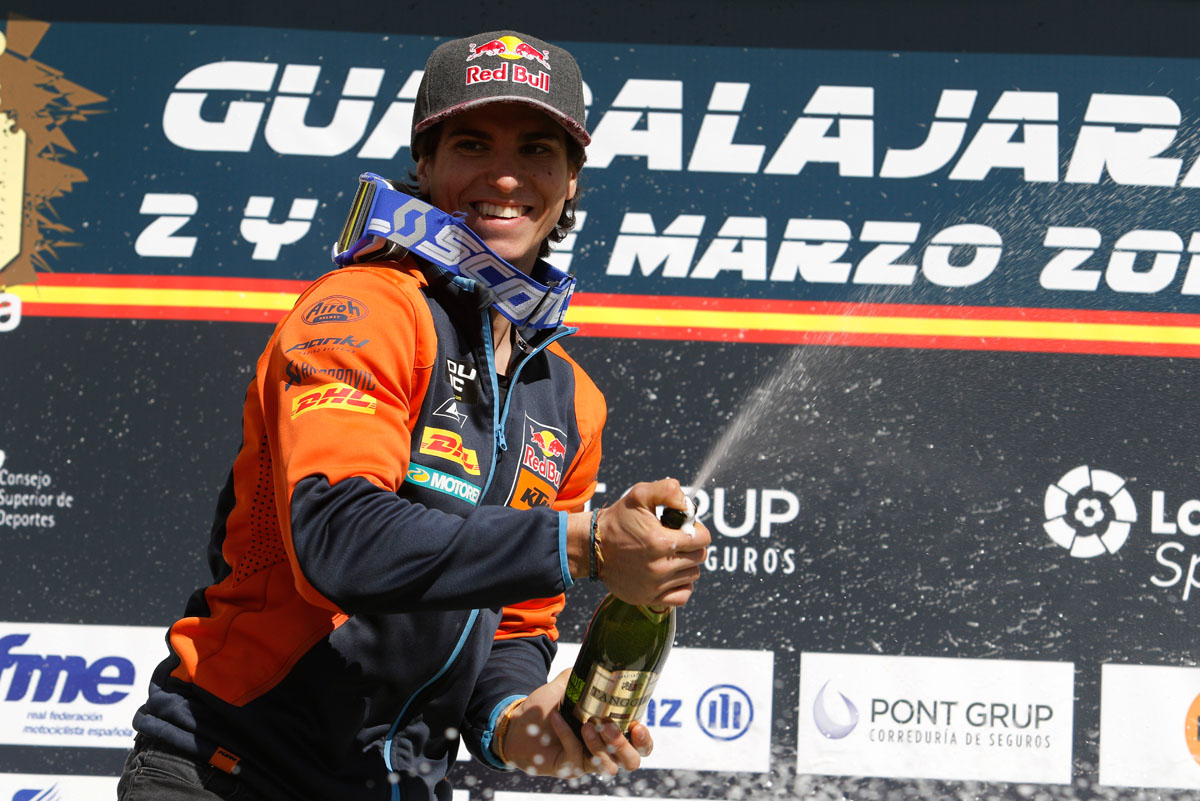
<point x="577" y="132"/>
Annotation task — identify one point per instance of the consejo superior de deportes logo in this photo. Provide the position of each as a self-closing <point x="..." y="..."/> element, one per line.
<point x="1089" y="512"/>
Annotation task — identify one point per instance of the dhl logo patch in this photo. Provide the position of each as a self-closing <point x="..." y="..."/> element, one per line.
<point x="334" y="396"/>
<point x="449" y="445"/>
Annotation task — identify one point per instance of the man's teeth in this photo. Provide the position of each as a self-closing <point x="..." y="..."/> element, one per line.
<point x="493" y="210"/>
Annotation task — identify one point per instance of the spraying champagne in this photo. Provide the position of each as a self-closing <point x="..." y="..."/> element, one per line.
<point x="622" y="655"/>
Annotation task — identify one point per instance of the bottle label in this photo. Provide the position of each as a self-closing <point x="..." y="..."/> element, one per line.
<point x="619" y="695"/>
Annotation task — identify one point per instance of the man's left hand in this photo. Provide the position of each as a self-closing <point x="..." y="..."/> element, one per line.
<point x="538" y="740"/>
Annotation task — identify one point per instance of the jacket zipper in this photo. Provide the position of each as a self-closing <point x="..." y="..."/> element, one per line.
<point x="499" y="443"/>
<point x="458" y="647"/>
<point x="500" y="416"/>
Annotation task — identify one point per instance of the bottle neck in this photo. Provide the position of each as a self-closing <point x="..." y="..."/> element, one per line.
<point x="655" y="613"/>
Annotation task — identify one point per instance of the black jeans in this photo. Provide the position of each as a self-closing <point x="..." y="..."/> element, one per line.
<point x="154" y="772"/>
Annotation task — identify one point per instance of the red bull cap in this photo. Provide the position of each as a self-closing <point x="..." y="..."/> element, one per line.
<point x="501" y="67"/>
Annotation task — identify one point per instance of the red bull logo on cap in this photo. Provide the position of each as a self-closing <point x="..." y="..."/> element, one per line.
<point x="511" y="49"/>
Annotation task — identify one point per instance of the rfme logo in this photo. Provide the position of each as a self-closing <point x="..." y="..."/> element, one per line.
<point x="44" y="787"/>
<point x="49" y="794"/>
<point x="725" y="712"/>
<point x="72" y="685"/>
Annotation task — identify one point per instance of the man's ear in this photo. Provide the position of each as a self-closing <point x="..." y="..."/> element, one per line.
<point x="423" y="175"/>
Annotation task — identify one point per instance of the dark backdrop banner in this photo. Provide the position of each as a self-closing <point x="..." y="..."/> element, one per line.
<point x="942" y="304"/>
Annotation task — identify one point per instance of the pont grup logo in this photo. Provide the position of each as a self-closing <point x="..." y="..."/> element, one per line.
<point x="1089" y="512"/>
<point x="834" y="717"/>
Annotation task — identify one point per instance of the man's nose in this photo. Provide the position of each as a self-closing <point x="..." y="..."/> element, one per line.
<point x="505" y="173"/>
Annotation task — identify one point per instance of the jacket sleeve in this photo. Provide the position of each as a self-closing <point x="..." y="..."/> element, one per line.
<point x="591" y="411"/>
<point x="514" y="669"/>
<point x="341" y="387"/>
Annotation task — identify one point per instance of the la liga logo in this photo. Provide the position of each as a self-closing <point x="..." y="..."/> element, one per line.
<point x="1089" y="512"/>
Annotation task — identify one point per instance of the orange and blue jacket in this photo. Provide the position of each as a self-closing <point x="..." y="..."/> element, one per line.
<point x="389" y="553"/>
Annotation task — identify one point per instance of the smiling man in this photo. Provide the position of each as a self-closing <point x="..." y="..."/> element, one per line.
<point x="391" y="549"/>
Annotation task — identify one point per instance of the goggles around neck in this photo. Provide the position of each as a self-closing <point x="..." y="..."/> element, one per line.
<point x="384" y="221"/>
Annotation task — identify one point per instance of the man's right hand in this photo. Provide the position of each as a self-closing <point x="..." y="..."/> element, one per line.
<point x="642" y="561"/>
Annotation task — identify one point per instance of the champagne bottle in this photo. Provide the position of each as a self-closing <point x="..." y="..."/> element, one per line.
<point x="622" y="655"/>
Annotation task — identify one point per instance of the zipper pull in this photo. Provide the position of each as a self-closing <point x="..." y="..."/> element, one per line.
<point x="520" y="342"/>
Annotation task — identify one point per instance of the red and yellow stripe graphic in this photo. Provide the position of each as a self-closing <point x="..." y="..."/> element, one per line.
<point x="666" y="317"/>
<point x="157" y="297"/>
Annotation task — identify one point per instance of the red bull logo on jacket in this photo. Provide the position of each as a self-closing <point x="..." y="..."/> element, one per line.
<point x="514" y="51"/>
<point x="545" y="451"/>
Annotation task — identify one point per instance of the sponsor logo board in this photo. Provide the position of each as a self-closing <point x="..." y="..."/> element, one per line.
<point x="73" y="685"/>
<point x="31" y="498"/>
<point x="935" y="718"/>
<point x="1149" y="716"/>
<point x="1092" y="513"/>
<point x="711" y="709"/>
<point x="43" y="787"/>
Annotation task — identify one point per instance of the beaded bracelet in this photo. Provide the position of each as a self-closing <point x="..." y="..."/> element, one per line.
<point x="594" y="550"/>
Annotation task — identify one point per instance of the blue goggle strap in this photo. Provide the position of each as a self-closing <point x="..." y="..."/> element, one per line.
<point x="381" y="214"/>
